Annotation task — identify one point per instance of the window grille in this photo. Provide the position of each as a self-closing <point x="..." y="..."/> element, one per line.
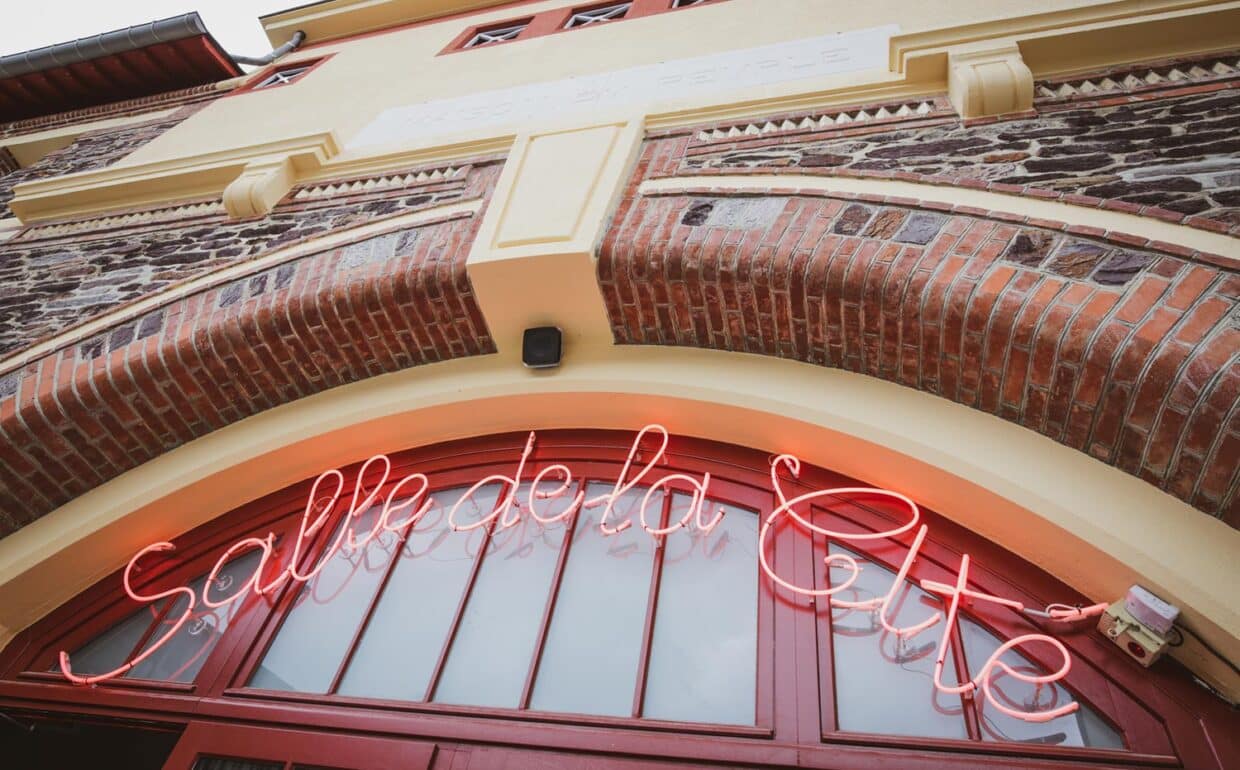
<point x="597" y="15"/>
<point x="283" y="77"/>
<point x="488" y="36"/>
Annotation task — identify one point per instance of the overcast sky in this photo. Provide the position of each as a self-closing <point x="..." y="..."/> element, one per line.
<point x="31" y="24"/>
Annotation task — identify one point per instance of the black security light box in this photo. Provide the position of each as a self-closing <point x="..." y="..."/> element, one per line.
<point x="541" y="347"/>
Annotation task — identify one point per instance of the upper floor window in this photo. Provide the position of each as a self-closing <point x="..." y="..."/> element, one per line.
<point x="562" y="19"/>
<point x="496" y="35"/>
<point x="597" y="15"/>
<point x="284" y="76"/>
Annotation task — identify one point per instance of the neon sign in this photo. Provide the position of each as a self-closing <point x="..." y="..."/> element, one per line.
<point x="408" y="500"/>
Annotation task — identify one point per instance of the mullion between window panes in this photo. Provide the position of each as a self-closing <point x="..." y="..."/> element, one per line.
<point x="652" y="603"/>
<point x="160" y="616"/>
<point x="825" y="628"/>
<point x="442" y="662"/>
<point x="285" y="598"/>
<point x="764" y="666"/>
<point x="968" y="704"/>
<point x="370" y="610"/>
<point x="570" y="526"/>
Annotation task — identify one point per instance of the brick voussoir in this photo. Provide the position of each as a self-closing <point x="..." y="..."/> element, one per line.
<point x="233" y="350"/>
<point x="1072" y="362"/>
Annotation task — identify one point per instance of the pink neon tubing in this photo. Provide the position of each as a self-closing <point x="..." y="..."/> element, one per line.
<point x="356" y="509"/>
<point x="983" y="675"/>
<point x="252" y="582"/>
<point x="620" y="488"/>
<point x="694" y="511"/>
<point x="786" y="506"/>
<point x="416" y="516"/>
<point x="535" y="495"/>
<point x="66" y="665"/>
<point x="304" y="533"/>
<point x="502" y="509"/>
<point x="503" y="505"/>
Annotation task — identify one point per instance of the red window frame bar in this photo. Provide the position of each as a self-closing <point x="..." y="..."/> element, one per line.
<point x="257" y="78"/>
<point x="552" y="22"/>
<point x="1161" y="710"/>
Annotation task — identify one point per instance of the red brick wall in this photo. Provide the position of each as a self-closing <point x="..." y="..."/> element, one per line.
<point x="94" y="409"/>
<point x="1123" y="349"/>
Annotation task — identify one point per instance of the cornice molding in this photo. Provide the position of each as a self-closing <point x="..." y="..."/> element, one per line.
<point x="1042" y="45"/>
<point x="247" y="179"/>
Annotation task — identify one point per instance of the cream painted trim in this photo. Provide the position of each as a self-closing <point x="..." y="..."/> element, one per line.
<point x="882" y="88"/>
<point x="130" y="186"/>
<point x="331" y="240"/>
<point x="532" y="262"/>
<point x="1092" y="525"/>
<point x="348" y="165"/>
<point x="932" y="44"/>
<point x="1223" y="246"/>
<point x="1158" y="28"/>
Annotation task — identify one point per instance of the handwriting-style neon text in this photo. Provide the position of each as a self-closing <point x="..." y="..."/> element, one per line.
<point x="408" y="500"/>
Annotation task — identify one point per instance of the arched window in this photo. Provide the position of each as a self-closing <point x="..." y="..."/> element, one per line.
<point x="561" y="607"/>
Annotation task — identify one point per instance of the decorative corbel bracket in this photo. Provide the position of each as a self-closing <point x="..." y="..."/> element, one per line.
<point x="988" y="78"/>
<point x="261" y="184"/>
<point x="250" y="181"/>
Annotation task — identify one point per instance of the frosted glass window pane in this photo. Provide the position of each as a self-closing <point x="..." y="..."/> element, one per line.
<point x="398" y="651"/>
<point x="882" y="684"/>
<point x="112" y="648"/>
<point x="182" y="656"/>
<point x="491" y="653"/>
<point x="589" y="662"/>
<point x="1082" y="728"/>
<point x="316" y="633"/>
<point x="703" y="657"/>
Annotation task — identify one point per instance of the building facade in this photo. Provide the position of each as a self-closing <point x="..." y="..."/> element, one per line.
<point x="758" y="383"/>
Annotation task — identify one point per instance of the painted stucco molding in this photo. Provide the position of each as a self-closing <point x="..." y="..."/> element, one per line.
<point x="533" y="263"/>
<point x="261" y="184"/>
<point x="258" y="172"/>
<point x="1214" y="248"/>
<point x="989" y="79"/>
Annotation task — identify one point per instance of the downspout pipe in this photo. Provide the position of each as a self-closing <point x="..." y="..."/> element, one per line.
<point x="293" y="42"/>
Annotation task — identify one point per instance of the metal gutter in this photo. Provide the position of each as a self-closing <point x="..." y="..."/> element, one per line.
<point x="96" y="46"/>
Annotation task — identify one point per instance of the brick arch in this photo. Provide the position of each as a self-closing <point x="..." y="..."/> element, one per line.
<point x="91" y="411"/>
<point x="1125" y="353"/>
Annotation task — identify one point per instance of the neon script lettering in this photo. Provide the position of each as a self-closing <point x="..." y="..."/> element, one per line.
<point x="408" y="500"/>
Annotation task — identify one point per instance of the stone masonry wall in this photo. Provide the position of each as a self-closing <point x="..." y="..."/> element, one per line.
<point x="1180" y="154"/>
<point x="90" y="151"/>
<point x="88" y="412"/>
<point x="47" y="285"/>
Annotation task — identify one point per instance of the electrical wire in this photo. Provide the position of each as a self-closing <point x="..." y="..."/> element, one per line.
<point x="1209" y="648"/>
